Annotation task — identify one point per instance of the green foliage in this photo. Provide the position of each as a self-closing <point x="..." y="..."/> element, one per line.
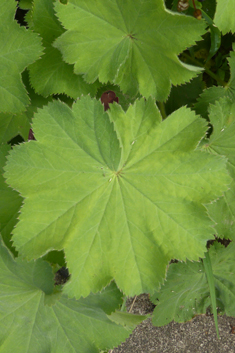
<point x="113" y="195"/>
<point x="221" y="142"/>
<point x="52" y="328"/>
<point x="50" y="74"/>
<point x="134" y="44"/>
<point x="19" y="48"/>
<point x="126" y="165"/>
<point x="186" y="293"/>
<point x="10" y="202"/>
<point x="211" y="284"/>
<point x="223" y="18"/>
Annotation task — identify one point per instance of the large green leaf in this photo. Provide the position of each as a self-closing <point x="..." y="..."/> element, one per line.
<point x="29" y="325"/>
<point x="50" y="74"/>
<point x="222" y="117"/>
<point x="186" y="293"/>
<point x="122" y="193"/>
<point x="19" y="48"/>
<point x="132" y="43"/>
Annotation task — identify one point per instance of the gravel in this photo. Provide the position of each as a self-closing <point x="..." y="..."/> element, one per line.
<point x="195" y="336"/>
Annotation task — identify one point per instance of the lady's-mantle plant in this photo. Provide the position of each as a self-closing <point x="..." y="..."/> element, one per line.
<point x="114" y="188"/>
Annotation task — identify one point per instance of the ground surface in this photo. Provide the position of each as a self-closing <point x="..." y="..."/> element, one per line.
<point x="195" y="336"/>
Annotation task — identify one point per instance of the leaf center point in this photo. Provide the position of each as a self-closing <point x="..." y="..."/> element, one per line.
<point x="132" y="36"/>
<point x="118" y="173"/>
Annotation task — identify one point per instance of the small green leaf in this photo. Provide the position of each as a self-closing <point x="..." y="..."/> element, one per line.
<point x="208" y="96"/>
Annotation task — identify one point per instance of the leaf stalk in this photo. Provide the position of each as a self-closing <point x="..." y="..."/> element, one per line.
<point x="210" y="279"/>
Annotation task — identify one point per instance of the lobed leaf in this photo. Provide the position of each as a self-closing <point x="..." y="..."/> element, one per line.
<point x="121" y="193"/>
<point x="29" y="325"/>
<point x="133" y="44"/>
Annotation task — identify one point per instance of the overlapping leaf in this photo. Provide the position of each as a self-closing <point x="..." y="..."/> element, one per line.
<point x="13" y="124"/>
<point x="19" y="48"/>
<point x="184" y="95"/>
<point x="186" y="291"/>
<point x="134" y="44"/>
<point x="10" y="202"/>
<point x="122" y="194"/>
<point x="29" y="325"/>
<point x="222" y="117"/>
<point x="223" y="18"/>
<point x="25" y="4"/>
<point x="50" y="74"/>
<point x="212" y="94"/>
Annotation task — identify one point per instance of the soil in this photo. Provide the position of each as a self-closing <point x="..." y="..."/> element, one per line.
<point x="195" y="336"/>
